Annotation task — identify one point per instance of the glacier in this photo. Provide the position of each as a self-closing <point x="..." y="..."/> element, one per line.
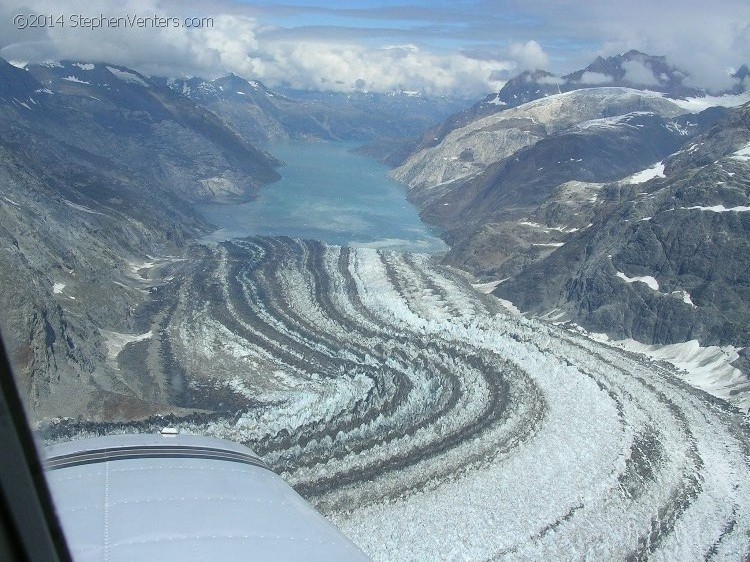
<point x="428" y="422"/>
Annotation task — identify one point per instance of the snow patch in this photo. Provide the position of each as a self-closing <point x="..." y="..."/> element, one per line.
<point x="685" y="297"/>
<point x="655" y="171"/>
<point x="497" y="101"/>
<point x="71" y="78"/>
<point x="136" y="267"/>
<point x="696" y="105"/>
<point x="487" y="288"/>
<point x="719" y="209"/>
<point x="84" y="66"/>
<point x="82" y="208"/>
<point x="707" y="368"/>
<point x="613" y="122"/>
<point x="57" y="288"/>
<point x="127" y="76"/>
<point x="743" y="153"/>
<point x="647" y="279"/>
<point x="548" y="228"/>
<point x="510" y="307"/>
<point x="116" y="341"/>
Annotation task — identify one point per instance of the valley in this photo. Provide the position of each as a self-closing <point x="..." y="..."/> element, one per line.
<point x="180" y="275"/>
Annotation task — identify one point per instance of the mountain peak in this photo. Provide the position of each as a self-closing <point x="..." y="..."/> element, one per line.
<point x="631" y="69"/>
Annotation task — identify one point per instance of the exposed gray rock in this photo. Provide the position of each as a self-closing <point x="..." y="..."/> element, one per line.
<point x="690" y="231"/>
<point x="104" y="110"/>
<point x="491" y="139"/>
<point x="524" y="206"/>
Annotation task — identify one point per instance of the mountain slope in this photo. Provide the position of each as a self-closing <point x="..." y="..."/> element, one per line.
<point x="466" y="152"/>
<point x="620" y="209"/>
<point x="688" y="231"/>
<point x="166" y="134"/>
<point x="99" y="170"/>
<point x="634" y="70"/>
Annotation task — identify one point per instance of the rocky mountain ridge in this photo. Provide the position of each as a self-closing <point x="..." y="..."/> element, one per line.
<point x="131" y="112"/>
<point x="554" y="202"/>
<point x="667" y="259"/>
<point x="633" y="69"/>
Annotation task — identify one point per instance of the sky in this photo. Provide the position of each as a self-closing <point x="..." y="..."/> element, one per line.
<point x="462" y="48"/>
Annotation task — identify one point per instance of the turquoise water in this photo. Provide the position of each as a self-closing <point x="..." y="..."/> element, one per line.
<point x="328" y="193"/>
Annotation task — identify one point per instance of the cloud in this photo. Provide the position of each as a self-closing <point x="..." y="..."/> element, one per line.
<point x="241" y="44"/>
<point x="595" y="78"/>
<point x="529" y="55"/>
<point x="552" y="80"/>
<point x="638" y="73"/>
<point x="308" y="65"/>
<point x="467" y="48"/>
<point x="702" y="37"/>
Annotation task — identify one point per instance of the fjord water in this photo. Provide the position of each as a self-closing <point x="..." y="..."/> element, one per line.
<point x="328" y="193"/>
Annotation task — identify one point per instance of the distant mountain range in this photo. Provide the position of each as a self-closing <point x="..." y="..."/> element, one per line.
<point x="263" y="114"/>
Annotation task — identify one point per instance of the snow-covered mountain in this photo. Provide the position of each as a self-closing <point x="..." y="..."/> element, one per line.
<point x="634" y="70"/>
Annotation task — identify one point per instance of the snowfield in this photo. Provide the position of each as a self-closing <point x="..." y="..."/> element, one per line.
<point x="430" y="424"/>
<point x="655" y="171"/>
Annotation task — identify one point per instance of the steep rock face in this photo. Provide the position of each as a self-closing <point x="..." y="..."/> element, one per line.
<point x="526" y="205"/>
<point x="504" y="205"/>
<point x="158" y="132"/>
<point x="564" y="201"/>
<point x="68" y="236"/>
<point x="17" y="88"/>
<point x="635" y="70"/>
<point x="251" y="109"/>
<point x="666" y="260"/>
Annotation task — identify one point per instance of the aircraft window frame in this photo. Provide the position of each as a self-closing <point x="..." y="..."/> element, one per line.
<point x="29" y="528"/>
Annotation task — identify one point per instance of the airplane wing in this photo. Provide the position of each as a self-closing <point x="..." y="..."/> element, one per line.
<point x="183" y="498"/>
